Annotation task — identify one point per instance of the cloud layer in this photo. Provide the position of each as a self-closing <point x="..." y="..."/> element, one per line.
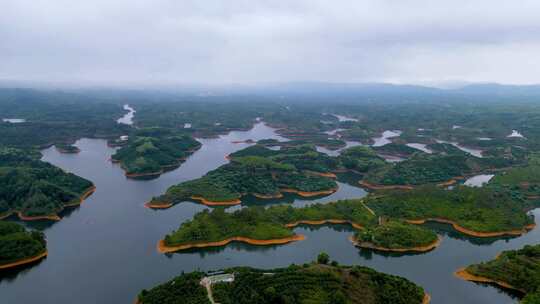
<point x="162" y="41"/>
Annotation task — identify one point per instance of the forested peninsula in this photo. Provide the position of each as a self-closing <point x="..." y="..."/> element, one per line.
<point x="261" y="172"/>
<point x="309" y="283"/>
<point x="18" y="246"/>
<point x="514" y="269"/>
<point x="385" y="216"/>
<point x="36" y="190"/>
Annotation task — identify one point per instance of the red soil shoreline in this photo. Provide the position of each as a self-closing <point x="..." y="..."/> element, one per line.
<point x="265" y="196"/>
<point x="322" y="222"/>
<point x="163" y="248"/>
<point x="151" y="205"/>
<point x="384" y="187"/>
<point x="463" y="274"/>
<point x="309" y="194"/>
<point x="407" y="187"/>
<point x="234" y="202"/>
<point x="25" y="261"/>
<point x="472" y="232"/>
<point x="368" y="245"/>
<point x="216" y="203"/>
<point x="135" y="175"/>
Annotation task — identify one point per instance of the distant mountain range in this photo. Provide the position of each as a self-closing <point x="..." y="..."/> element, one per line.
<point x="360" y="92"/>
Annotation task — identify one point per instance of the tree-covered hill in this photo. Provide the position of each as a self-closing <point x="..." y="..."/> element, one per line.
<point x="33" y="188"/>
<point x="310" y="283"/>
<point x="151" y="151"/>
<point x="18" y="245"/>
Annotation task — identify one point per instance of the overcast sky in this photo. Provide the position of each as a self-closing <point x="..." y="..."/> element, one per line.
<point x="206" y="41"/>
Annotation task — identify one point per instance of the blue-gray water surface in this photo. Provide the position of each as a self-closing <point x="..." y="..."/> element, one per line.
<point x="105" y="250"/>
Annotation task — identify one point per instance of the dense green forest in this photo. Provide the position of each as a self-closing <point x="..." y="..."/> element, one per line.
<point x="35" y="188"/>
<point x="152" y="150"/>
<point x="17" y="244"/>
<point x="485" y="209"/>
<point x="258" y="171"/>
<point x="518" y="268"/>
<point x="396" y="235"/>
<point x="310" y="283"/>
<point x="263" y="224"/>
<point x="56" y="117"/>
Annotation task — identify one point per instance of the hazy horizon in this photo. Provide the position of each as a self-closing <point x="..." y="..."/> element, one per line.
<point x="161" y="43"/>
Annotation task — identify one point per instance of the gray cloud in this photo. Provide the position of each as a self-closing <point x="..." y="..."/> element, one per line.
<point x="190" y="41"/>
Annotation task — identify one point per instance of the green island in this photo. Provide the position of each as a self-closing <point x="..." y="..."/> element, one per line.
<point x="34" y="189"/>
<point x="481" y="212"/>
<point x="514" y="269"/>
<point x="316" y="283"/>
<point x="18" y="246"/>
<point x="151" y="151"/>
<point x="260" y="172"/>
<point x="67" y="148"/>
<point x="396" y="236"/>
<point x="260" y="226"/>
<point x="478" y="212"/>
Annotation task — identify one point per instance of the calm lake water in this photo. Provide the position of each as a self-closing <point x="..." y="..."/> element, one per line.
<point x="384" y="139"/>
<point x="105" y="250"/>
<point x="127" y="119"/>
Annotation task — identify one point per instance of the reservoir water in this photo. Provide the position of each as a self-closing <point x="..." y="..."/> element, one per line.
<point x="105" y="250"/>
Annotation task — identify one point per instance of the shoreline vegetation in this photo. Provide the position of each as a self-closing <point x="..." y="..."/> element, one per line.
<point x="149" y="152"/>
<point x="19" y="246"/>
<point x="517" y="270"/>
<point x="36" y="190"/>
<point x="315" y="282"/>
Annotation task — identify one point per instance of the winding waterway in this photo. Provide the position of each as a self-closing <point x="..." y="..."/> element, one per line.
<point x="105" y="250"/>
